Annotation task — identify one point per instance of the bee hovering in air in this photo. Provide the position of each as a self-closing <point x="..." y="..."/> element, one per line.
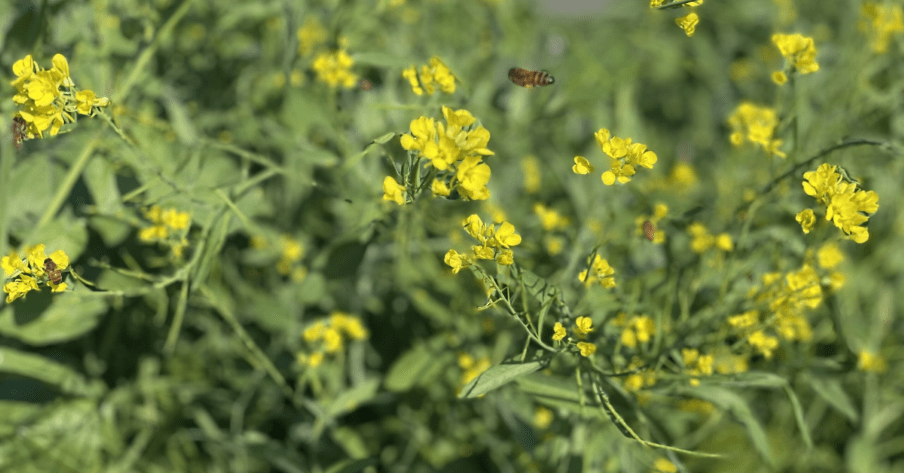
<point x="529" y="79"/>
<point x="52" y="272"/>
<point x="649" y="230"/>
<point x="18" y="129"/>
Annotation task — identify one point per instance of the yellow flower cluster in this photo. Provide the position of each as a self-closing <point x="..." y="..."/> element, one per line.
<point x="291" y="253"/>
<point x="164" y="223"/>
<point x="636" y="329"/>
<point x="785" y="299"/>
<point x="757" y="125"/>
<point x="334" y="68"/>
<point x="49" y="98"/>
<point x="494" y="244"/>
<point x="697" y="364"/>
<point x="24" y="274"/>
<point x="328" y="337"/>
<point x="798" y="50"/>
<point x="636" y="381"/>
<point x="624" y="157"/>
<point x="436" y="72"/>
<point x="582" y="327"/>
<point x="881" y="22"/>
<point x="846" y="205"/>
<point x="456" y="149"/>
<point x="702" y="240"/>
<point x="310" y="36"/>
<point x="599" y="271"/>
<point x="553" y="223"/>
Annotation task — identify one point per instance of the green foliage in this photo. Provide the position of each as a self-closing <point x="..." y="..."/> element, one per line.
<point x="240" y="298"/>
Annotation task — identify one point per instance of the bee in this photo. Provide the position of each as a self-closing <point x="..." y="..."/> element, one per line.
<point x="52" y="272"/>
<point x="648" y="230"/>
<point x="365" y="84"/>
<point x="18" y="129"/>
<point x="529" y="79"/>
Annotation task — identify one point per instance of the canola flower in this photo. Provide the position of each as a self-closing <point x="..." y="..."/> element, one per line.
<point x="334" y="69"/>
<point x="48" y="99"/>
<point x="455" y="149"/>
<point x="799" y="52"/>
<point x="165" y="225"/>
<point x="494" y="243"/>
<point x="434" y="73"/>
<point x="688" y="23"/>
<point x="846" y="206"/>
<point x="881" y="23"/>
<point x="328" y="337"/>
<point x="24" y="274"/>
<point x="624" y="158"/>
<point x="755" y="124"/>
<point x="599" y="272"/>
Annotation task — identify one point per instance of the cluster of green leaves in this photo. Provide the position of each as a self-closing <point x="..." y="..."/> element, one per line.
<point x="168" y="364"/>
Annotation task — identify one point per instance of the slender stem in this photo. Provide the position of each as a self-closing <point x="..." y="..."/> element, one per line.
<point x="68" y="183"/>
<point x="801" y="165"/>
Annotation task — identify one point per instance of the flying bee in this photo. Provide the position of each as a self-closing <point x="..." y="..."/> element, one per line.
<point x="18" y="129"/>
<point x="365" y="84"/>
<point x="52" y="272"/>
<point x="529" y="79"/>
<point x="649" y="230"/>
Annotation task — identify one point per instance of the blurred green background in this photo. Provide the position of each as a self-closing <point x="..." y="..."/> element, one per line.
<point x="209" y="353"/>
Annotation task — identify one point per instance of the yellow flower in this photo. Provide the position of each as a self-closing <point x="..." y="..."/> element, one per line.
<point x="587" y="349"/>
<point x="688" y="23"/>
<point x="867" y="361"/>
<point x="779" y="77"/>
<point x="456" y="260"/>
<point x="581" y="165"/>
<point x="807" y="220"/>
<point x="311" y="35"/>
<point x="393" y="191"/>
<point x="583" y="326"/>
<point x="559" y="332"/>
<point x="829" y="256"/>
<point x="798" y="50"/>
<point x="335" y="69"/>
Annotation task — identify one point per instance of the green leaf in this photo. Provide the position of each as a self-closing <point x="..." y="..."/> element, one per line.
<point x="351" y="399"/>
<point x="737" y="406"/>
<point x="755" y="379"/>
<point x="831" y="391"/>
<point x="558" y="392"/>
<point x="384" y="139"/>
<point x="497" y="376"/>
<point x="420" y="365"/>
<point x="45" y="370"/>
<point x="65" y="438"/>
<point x="69" y="316"/>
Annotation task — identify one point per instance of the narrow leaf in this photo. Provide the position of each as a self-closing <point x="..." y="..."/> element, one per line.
<point x="497" y="376"/>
